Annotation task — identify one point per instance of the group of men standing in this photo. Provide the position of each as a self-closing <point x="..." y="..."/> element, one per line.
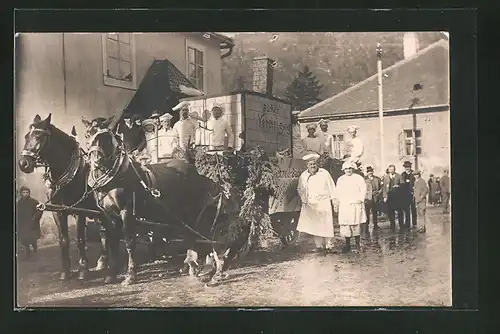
<point x="184" y="134"/>
<point x="319" y="141"/>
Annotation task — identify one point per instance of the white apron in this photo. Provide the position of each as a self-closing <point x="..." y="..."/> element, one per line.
<point x="316" y="191"/>
<point x="349" y="189"/>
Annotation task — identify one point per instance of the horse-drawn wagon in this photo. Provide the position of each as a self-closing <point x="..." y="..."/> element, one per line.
<point x="173" y="199"/>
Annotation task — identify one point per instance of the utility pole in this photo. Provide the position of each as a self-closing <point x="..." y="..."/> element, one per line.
<point x="380" y="106"/>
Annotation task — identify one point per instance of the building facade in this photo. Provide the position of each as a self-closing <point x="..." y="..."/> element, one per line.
<point x="416" y="106"/>
<point x="91" y="74"/>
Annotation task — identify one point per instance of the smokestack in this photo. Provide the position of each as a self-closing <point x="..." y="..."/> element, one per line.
<point x="410" y="44"/>
<point x="263" y="75"/>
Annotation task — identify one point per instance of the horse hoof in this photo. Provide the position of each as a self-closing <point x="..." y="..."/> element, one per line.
<point x="64" y="276"/>
<point x="101" y="265"/>
<point x="110" y="279"/>
<point x="83" y="275"/>
<point x="128" y="281"/>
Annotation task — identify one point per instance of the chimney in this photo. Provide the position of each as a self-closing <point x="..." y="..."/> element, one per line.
<point x="263" y="75"/>
<point x="410" y="44"/>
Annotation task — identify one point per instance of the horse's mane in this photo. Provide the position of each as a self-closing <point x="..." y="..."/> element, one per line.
<point x="65" y="138"/>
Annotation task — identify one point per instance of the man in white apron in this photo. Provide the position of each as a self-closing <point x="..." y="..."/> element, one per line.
<point x="316" y="189"/>
<point x="354" y="147"/>
<point x="219" y="128"/>
<point x="184" y="128"/>
<point x="322" y="132"/>
<point x="312" y="143"/>
<point x="167" y="138"/>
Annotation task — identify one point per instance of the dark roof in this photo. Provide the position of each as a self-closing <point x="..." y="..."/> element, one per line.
<point x="429" y="67"/>
<point x="159" y="89"/>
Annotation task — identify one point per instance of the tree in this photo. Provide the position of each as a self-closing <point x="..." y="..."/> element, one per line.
<point x="304" y="91"/>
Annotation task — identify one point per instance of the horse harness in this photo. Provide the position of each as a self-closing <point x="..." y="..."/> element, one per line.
<point x="76" y="163"/>
<point x="124" y="161"/>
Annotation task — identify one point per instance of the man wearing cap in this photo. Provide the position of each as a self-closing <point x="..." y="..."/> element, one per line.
<point x="298" y="147"/>
<point x="28" y="220"/>
<point x="322" y="132"/>
<point x="391" y="194"/>
<point x="312" y="143"/>
<point x="351" y="193"/>
<point x="373" y="192"/>
<point x="219" y="128"/>
<point x="407" y="200"/>
<point x="354" y="146"/>
<point x="316" y="189"/>
<point x="132" y="133"/>
<point x="420" y="191"/>
<point x="184" y="128"/>
<point x="444" y="183"/>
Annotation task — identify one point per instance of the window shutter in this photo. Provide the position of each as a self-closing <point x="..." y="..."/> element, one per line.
<point x="401" y="144"/>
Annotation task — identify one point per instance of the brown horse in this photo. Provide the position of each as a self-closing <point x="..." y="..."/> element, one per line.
<point x="182" y="199"/>
<point x="66" y="173"/>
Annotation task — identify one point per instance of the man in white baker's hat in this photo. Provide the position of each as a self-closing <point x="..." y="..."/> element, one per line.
<point x="219" y="128"/>
<point x="351" y="192"/>
<point x="167" y="137"/>
<point x="312" y="143"/>
<point x="316" y="189"/>
<point x="322" y="132"/>
<point x="185" y="127"/>
<point x="354" y="146"/>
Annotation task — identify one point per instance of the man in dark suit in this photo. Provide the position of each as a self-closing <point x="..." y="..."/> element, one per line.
<point x="134" y="137"/>
<point x="407" y="200"/>
<point x="390" y="193"/>
<point x="374" y="189"/>
<point x="444" y="183"/>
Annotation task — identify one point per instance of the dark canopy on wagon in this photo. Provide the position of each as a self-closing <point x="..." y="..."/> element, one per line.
<point x="160" y="90"/>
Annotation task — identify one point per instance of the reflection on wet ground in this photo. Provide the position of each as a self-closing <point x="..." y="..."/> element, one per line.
<point x="402" y="268"/>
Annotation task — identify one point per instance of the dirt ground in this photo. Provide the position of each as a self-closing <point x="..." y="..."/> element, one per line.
<point x="395" y="269"/>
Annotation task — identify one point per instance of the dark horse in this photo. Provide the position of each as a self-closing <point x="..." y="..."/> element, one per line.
<point x="171" y="193"/>
<point x="46" y="145"/>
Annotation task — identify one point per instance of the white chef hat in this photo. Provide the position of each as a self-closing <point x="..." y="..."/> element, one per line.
<point x="181" y="105"/>
<point x="352" y="128"/>
<point x="311" y="157"/>
<point x="348" y="164"/>
<point x="166" y="117"/>
<point x="312" y="126"/>
<point x="218" y="105"/>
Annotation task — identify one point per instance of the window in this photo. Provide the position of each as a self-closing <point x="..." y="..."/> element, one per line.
<point x="119" y="60"/>
<point x="196" y="67"/>
<point x="338" y="146"/>
<point x="410" y="143"/>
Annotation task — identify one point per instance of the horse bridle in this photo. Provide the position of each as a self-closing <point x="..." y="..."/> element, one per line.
<point x="96" y="148"/>
<point x="39" y="162"/>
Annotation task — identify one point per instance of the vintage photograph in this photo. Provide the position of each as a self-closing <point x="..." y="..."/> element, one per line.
<point x="219" y="169"/>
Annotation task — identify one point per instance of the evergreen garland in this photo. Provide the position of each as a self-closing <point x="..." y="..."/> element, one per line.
<point x="249" y="178"/>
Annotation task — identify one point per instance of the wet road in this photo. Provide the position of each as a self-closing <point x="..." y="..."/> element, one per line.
<point x="395" y="269"/>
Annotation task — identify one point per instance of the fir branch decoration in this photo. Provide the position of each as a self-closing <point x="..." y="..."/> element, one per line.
<point x="249" y="178"/>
